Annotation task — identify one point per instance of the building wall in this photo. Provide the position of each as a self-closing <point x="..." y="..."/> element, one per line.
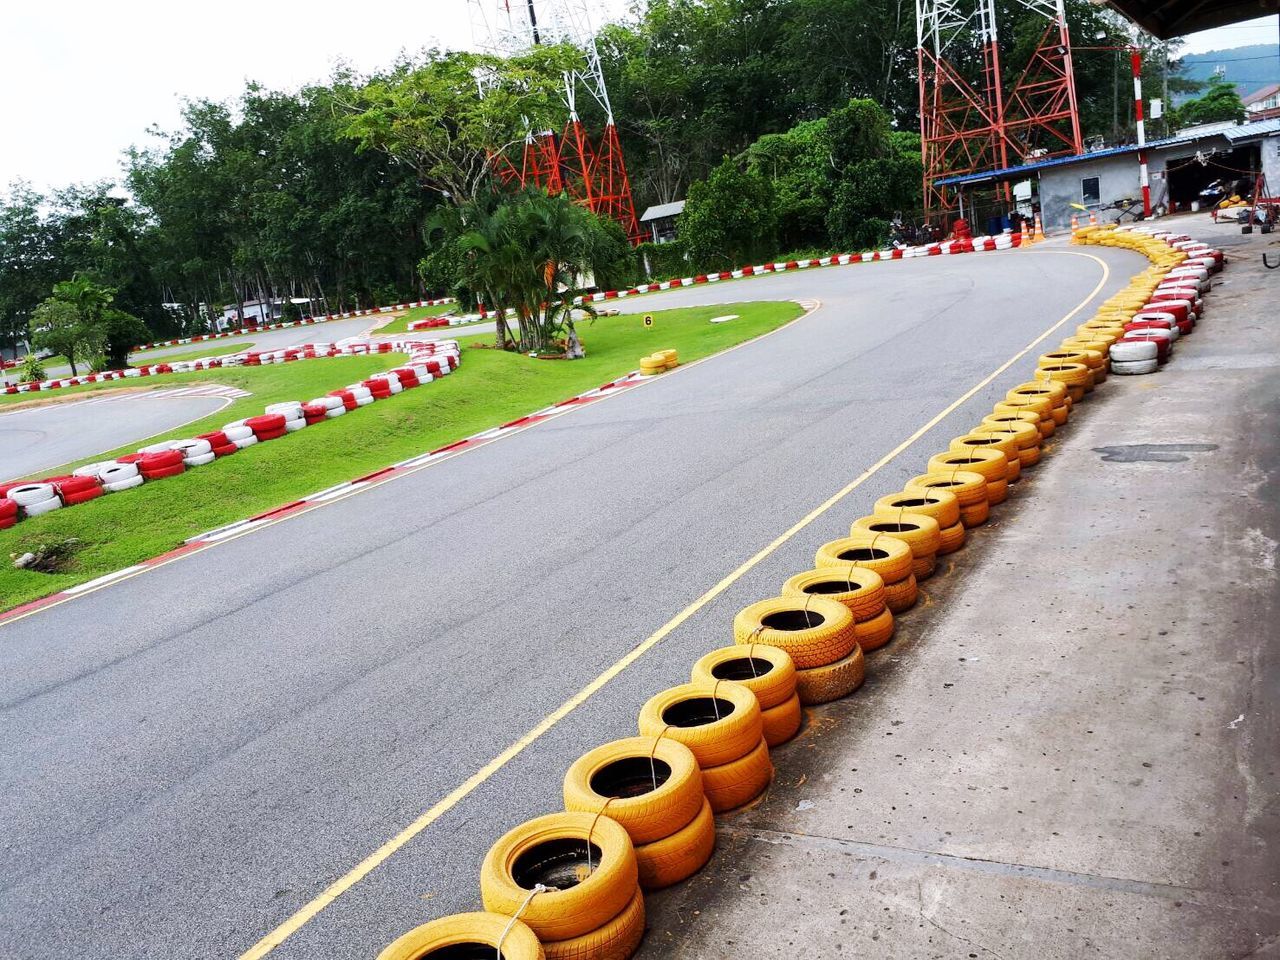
<point x="1271" y="164"/>
<point x="1117" y="178"/>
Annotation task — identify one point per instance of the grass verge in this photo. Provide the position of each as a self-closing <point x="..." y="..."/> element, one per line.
<point x="490" y="388"/>
<point x="221" y="350"/>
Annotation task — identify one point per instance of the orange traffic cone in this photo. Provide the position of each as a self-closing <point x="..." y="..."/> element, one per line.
<point x="1093" y="218"/>
<point x="1039" y="228"/>
<point x="1075" y="223"/>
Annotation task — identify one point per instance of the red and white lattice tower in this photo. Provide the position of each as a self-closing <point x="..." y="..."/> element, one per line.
<point x="593" y="172"/>
<point x="971" y="119"/>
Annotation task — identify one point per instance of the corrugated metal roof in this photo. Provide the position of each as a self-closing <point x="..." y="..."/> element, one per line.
<point x="1259" y="128"/>
<point x="663" y="210"/>
<point x="1244" y="131"/>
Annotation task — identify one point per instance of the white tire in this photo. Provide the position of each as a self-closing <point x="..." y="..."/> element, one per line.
<point x="44" y="506"/>
<point x="243" y="442"/>
<point x="128" y="483"/>
<point x="291" y="410"/>
<point x="89" y="469"/>
<point x="293" y="426"/>
<point x="30" y="494"/>
<point x="359" y="391"/>
<point x="193" y="448"/>
<point x="236" y="432"/>
<point x="199" y="460"/>
<point x="1133" y="352"/>
<point x="162" y="447"/>
<point x="337" y="411"/>
<point x="1126" y="367"/>
<point x="116" y="472"/>
<point x="364" y="401"/>
<point x="329" y="403"/>
<point x="396" y="387"/>
<point x="234" y="423"/>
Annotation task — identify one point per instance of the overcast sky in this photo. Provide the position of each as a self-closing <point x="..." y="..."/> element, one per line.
<point x="80" y="81"/>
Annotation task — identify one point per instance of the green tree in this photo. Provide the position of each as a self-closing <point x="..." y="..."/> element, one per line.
<point x="58" y="327"/>
<point x="1219" y="103"/>
<point x="729" y="219"/>
<point x="799" y="165"/>
<point x="526" y="258"/>
<point x="433" y="118"/>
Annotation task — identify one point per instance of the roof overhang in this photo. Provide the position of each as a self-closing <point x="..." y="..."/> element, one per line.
<point x="1173" y="18"/>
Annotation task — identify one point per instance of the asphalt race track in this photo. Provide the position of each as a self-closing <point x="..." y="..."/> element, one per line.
<point x="38" y="438"/>
<point x="193" y="754"/>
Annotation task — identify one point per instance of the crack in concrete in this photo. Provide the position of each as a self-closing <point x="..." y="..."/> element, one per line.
<point x="909" y="855"/>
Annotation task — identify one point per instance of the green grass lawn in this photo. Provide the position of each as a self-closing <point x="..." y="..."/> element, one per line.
<point x="490" y="388"/>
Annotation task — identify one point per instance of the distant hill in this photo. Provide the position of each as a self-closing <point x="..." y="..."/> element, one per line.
<point x="1249" y="68"/>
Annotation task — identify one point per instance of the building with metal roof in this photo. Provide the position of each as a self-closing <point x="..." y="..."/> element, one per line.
<point x="660" y="220"/>
<point x="1106" y="181"/>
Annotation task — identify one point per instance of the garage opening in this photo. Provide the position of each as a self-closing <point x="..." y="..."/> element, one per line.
<point x="1188" y="176"/>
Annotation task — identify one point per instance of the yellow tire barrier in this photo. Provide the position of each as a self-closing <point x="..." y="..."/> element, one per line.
<point x="939" y="504"/>
<point x="463" y="930"/>
<point x="730" y="785"/>
<point x="814" y="630"/>
<point x="767" y="671"/>
<point x="679" y="856"/>
<point x="969" y="489"/>
<point x="553" y="850"/>
<point x="835" y="680"/>
<point x="652" y="787"/>
<point x="919" y="532"/>
<point x="720" y="723"/>
<point x="987" y="441"/>
<point x="991" y="464"/>
<point x="859" y="589"/>
<point x="620" y="937"/>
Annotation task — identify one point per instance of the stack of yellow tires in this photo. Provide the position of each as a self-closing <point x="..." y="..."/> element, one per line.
<point x="657" y="362"/>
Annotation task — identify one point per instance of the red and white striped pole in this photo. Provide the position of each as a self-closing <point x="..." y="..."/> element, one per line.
<point x="1135" y="58"/>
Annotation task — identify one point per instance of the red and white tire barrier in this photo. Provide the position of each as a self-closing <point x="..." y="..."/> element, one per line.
<point x="976" y="245"/>
<point x="304" y="322"/>
<point x="428" y="359"/>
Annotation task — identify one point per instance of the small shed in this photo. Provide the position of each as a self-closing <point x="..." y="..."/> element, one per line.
<point x="660" y="220"/>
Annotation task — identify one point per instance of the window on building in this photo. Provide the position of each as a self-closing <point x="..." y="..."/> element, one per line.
<point x="1090" y="193"/>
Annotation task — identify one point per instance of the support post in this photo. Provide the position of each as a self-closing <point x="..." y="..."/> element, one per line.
<point x="1135" y="60"/>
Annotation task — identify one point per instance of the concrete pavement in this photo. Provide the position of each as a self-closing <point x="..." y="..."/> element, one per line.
<point x="193" y="754"/>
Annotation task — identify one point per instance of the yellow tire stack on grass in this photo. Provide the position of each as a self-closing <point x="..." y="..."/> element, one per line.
<point x="657" y="362"/>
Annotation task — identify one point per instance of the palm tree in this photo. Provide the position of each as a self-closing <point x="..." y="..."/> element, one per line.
<point x="529" y="256"/>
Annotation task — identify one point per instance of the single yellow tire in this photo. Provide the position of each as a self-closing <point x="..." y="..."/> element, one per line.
<point x="782" y="722"/>
<point x="986" y="441"/>
<point x="813" y="630"/>
<point x="617" y="939"/>
<point x="901" y="595"/>
<point x="730" y="785"/>
<point x="1029" y="457"/>
<point x="680" y="855"/>
<point x="449" y="936"/>
<point x="952" y="539"/>
<point x="836" y="680"/>
<point x="992" y="464"/>
<point x="937" y="503"/>
<point x="969" y="488"/>
<point x="1008" y="418"/>
<point x="1057" y="358"/>
<point x="918" y="531"/>
<point x="976" y="515"/>
<point x="1024" y="435"/>
<point x="997" y="491"/>
<point x="886" y="555"/>
<point x="718" y="722"/>
<point x="652" y="787"/>
<point x="859" y="589"/>
<point x="667" y="355"/>
<point x="552" y="850"/>
<point x="875" y="633"/>
<point x="1050" y="390"/>
<point x="767" y="671"/>
<point x="1046" y="424"/>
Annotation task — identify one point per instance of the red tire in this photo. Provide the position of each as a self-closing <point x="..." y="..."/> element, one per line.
<point x="71" y="499"/>
<point x="271" y="434"/>
<point x="130" y="458"/>
<point x="74" y="486"/>
<point x="216" y="439"/>
<point x="8" y="509"/>
<point x="266" y="423"/>
<point x="225" y="449"/>
<point x="159" y="461"/>
<point x="159" y="473"/>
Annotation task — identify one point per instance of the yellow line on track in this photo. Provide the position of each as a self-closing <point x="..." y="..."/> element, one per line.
<point x="459" y="793"/>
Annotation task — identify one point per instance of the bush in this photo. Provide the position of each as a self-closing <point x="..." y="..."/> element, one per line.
<point x="729" y="219"/>
<point x="665" y="260"/>
<point x="31" y="368"/>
